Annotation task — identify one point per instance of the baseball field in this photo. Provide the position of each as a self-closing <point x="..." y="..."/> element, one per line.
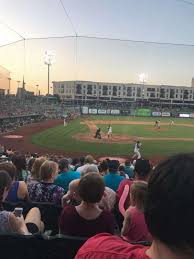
<point x="78" y="136"/>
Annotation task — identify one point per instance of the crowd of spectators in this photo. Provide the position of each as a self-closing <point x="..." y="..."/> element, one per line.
<point x="112" y="204"/>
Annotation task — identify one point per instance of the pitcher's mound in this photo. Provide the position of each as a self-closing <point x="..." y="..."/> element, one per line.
<point x="13" y="136"/>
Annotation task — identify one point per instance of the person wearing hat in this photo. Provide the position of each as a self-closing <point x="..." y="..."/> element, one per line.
<point x="66" y="175"/>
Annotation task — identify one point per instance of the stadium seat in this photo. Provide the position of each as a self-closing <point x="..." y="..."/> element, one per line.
<point x="49" y="212"/>
<point x="39" y="246"/>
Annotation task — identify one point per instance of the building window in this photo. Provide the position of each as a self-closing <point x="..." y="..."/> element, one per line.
<point x="78" y="89"/>
<point x="89" y="89"/>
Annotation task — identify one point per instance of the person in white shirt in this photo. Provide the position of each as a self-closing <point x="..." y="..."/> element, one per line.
<point x="109" y="131"/>
<point x="89" y="160"/>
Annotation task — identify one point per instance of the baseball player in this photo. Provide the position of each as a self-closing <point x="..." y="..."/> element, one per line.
<point x="136" y="151"/>
<point x="109" y="131"/>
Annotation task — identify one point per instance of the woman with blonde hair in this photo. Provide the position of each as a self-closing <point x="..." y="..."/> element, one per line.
<point x="35" y="172"/>
<point x="46" y="190"/>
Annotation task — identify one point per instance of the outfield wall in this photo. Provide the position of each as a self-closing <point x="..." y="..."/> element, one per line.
<point x="141" y="112"/>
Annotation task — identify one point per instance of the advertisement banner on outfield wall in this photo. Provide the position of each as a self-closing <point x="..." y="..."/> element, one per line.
<point x="100" y="111"/>
<point x="191" y="115"/>
<point x="165" y="114"/>
<point x="143" y="112"/>
<point x="184" y="115"/>
<point x="84" y="110"/>
<point x="114" y="112"/>
<point x="92" y="111"/>
<point x="156" y="114"/>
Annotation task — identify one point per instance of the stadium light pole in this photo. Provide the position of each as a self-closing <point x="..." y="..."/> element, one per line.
<point x="37" y="89"/>
<point x="143" y="79"/>
<point x="9" y="78"/>
<point x="49" y="58"/>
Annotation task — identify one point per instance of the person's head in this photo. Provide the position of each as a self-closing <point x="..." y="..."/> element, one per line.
<point x="103" y="167"/>
<point x="127" y="162"/>
<point x="91" y="188"/>
<point x="89" y="159"/>
<point x="82" y="160"/>
<point x="75" y="161"/>
<point x="19" y="161"/>
<point x="113" y="166"/>
<point x="5" y="183"/>
<point x="90" y="169"/>
<point x="138" y="194"/>
<point x="30" y="163"/>
<point x="142" y="169"/>
<point x="48" y="171"/>
<point x="169" y="210"/>
<point x="35" y="172"/>
<point x="64" y="165"/>
<point x="9" y="168"/>
<point x="73" y="190"/>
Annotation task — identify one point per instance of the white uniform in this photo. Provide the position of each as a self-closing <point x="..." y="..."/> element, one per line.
<point x="65" y="123"/>
<point x="136" y="150"/>
<point x="172" y="123"/>
<point x="109" y="131"/>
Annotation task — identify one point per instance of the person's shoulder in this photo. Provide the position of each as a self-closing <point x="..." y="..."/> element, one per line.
<point x="69" y="210"/>
<point x="105" y="246"/>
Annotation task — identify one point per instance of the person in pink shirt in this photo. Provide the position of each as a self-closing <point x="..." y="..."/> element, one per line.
<point x="134" y="226"/>
<point x="142" y="172"/>
<point x="169" y="215"/>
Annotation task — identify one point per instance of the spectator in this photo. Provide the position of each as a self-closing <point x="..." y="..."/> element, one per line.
<point x="129" y="169"/>
<point x="113" y="179"/>
<point x="75" y="163"/>
<point x="87" y="219"/>
<point x="18" y="189"/>
<point x="134" y="226"/>
<point x="30" y="163"/>
<point x="103" y="167"/>
<point x="89" y="160"/>
<point x="72" y="196"/>
<point x="142" y="172"/>
<point x="20" y="163"/>
<point x="46" y="190"/>
<point x="81" y="163"/>
<point x="9" y="223"/>
<point x="34" y="176"/>
<point x="65" y="176"/>
<point x="169" y="214"/>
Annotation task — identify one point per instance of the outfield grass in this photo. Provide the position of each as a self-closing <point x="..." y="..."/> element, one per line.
<point x="60" y="137"/>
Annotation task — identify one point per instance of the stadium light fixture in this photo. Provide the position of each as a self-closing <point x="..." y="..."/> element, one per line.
<point x="143" y="78"/>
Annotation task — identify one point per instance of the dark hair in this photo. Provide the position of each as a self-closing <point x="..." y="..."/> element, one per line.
<point x="169" y="210"/>
<point x="127" y="162"/>
<point x="5" y="182"/>
<point x="63" y="163"/>
<point x="75" y="161"/>
<point x="103" y="166"/>
<point x="82" y="160"/>
<point x="19" y="161"/>
<point x="113" y="165"/>
<point x="91" y="188"/>
<point x="9" y="168"/>
<point x="121" y="168"/>
<point x="142" y="168"/>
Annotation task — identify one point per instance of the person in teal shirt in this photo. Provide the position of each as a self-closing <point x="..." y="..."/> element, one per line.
<point x="65" y="176"/>
<point x="113" y="178"/>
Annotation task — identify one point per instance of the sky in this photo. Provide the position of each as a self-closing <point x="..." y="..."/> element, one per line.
<point x="97" y="58"/>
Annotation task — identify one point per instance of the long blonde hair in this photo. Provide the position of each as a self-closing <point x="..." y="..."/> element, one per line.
<point x="47" y="169"/>
<point x="35" y="172"/>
